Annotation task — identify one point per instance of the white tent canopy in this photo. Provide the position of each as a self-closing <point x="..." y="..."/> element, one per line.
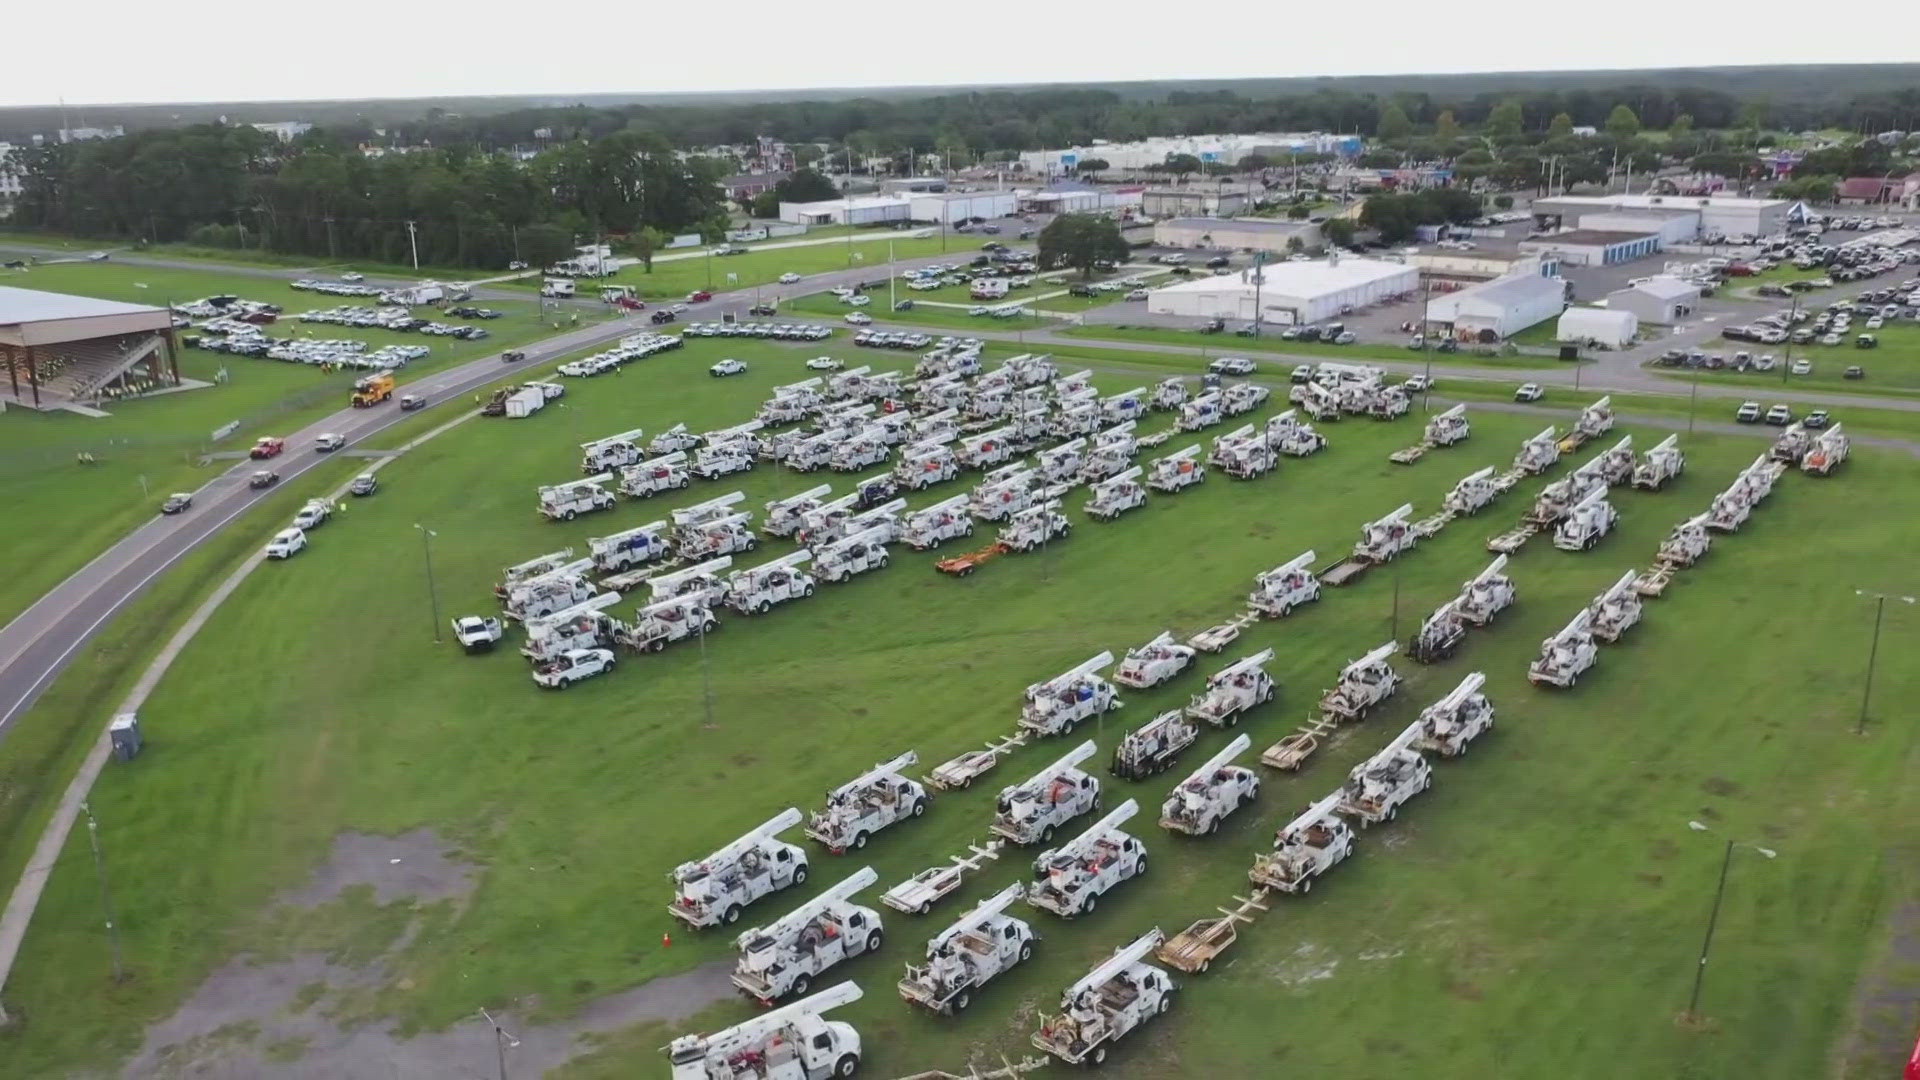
<point x="1615" y="329"/>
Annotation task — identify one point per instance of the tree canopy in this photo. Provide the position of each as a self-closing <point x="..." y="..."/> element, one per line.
<point x="1081" y="240"/>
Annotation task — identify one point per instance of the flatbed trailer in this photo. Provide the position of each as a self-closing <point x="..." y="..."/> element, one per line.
<point x="962" y="565"/>
<point x="960" y="772"/>
<point x="1292" y="751"/>
<point x="1192" y="950"/>
<point x="1344" y="571"/>
<point x="918" y="894"/>
<point x="1511" y="541"/>
<point x="1216" y="638"/>
<point x="1412" y="453"/>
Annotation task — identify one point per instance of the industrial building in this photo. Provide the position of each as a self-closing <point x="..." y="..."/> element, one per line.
<point x="1208" y="201"/>
<point x="1287" y="293"/>
<point x="1594" y="247"/>
<point x="1249" y="234"/>
<point x="59" y="349"/>
<point x="1712" y="215"/>
<point x="1661" y="301"/>
<point x="1225" y="149"/>
<point x="856" y="210"/>
<point x="955" y="206"/>
<point x="912" y="185"/>
<point x="1600" y="326"/>
<point x="1472" y="267"/>
<point x="1497" y="309"/>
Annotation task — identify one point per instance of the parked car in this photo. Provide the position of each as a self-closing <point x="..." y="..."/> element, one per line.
<point x="286" y="544"/>
<point x="825" y="363"/>
<point x="789" y="278"/>
<point x="1817" y="419"/>
<point x="1302" y="373"/>
<point x="762" y="309"/>
<point x="176" y="503"/>
<point x="1529" y="392"/>
<point x="364" y="484"/>
<point x="727" y="367"/>
<point x="859" y="318"/>
<point x="1417" y="383"/>
<point x="1747" y="413"/>
<point x="1231" y="365"/>
<point x="1801" y="367"/>
<point x="1780" y="416"/>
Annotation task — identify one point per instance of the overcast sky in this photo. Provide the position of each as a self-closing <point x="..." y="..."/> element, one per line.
<point x="209" y="50"/>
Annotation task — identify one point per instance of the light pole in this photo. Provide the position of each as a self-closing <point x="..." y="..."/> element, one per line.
<point x="106" y="895"/>
<point x="1713" y="914"/>
<point x="706" y="677"/>
<point x="433" y="594"/>
<point x="1786" y="366"/>
<point x="502" y="1042"/>
<point x="1693" y="399"/>
<point x="1873" y="651"/>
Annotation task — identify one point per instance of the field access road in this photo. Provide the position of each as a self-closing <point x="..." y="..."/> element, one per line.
<point x="42" y="640"/>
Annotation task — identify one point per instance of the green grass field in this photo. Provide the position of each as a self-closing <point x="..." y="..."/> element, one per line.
<point x="675" y="278"/>
<point x="1230" y="344"/>
<point x="1547" y="889"/>
<point x="1893" y="367"/>
<point x="828" y="306"/>
<point x="64" y="515"/>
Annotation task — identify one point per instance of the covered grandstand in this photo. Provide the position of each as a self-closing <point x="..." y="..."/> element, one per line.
<point x="62" y="350"/>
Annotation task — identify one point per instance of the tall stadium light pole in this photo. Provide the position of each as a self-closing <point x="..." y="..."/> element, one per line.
<point x="433" y="594"/>
<point x="1713" y="913"/>
<point x="1873" y="651"/>
<point x="106" y="894"/>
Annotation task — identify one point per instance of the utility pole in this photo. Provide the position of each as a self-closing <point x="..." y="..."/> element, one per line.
<point x="433" y="594"/>
<point x="413" y="241"/>
<point x="706" y="679"/>
<point x="1259" y="261"/>
<point x="106" y="895"/>
<point x="1873" y="652"/>
<point x="1786" y="366"/>
<point x="332" y="251"/>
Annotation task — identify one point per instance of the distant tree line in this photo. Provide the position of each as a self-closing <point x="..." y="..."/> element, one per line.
<point x="237" y="187"/>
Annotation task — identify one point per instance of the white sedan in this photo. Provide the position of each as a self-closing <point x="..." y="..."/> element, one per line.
<point x="825" y="363"/>
<point x="858" y="300"/>
<point x="789" y="278"/>
<point x="859" y="318"/>
<point x="726" y="367"/>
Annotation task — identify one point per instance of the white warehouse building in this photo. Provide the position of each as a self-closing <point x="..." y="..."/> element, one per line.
<point x="1501" y="308"/>
<point x="953" y="206"/>
<point x="858" y="210"/>
<point x="1287" y="293"/>
<point x="1718" y="215"/>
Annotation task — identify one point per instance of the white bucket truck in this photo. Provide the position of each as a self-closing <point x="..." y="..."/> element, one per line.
<point x="1279" y="590"/>
<point x="785" y="515"/>
<point x="1114" y="998"/>
<point x="1616" y="610"/>
<point x="1055" y="706"/>
<point x="1071" y="879"/>
<point x="629" y="548"/>
<point x="701" y="580"/>
<point x="1378" y="786"/>
<point x="1003" y="492"/>
<point x="650" y="478"/>
<point x="1216" y="789"/>
<point x="969" y="954"/>
<point x="564" y="502"/>
<point x="756" y="589"/>
<point x="1304" y="848"/>
<point x="925" y="464"/>
<point x="793" y="1042"/>
<point x="585" y="625"/>
<point x="852" y="555"/>
<point x="1155" y="662"/>
<point x="1233" y="690"/>
<point x="1177" y="470"/>
<point x="1473" y="493"/>
<point x="1035" y="526"/>
<point x="1030" y="811"/>
<point x="612" y="452"/>
<point x="663" y="622"/>
<point x="1565" y="655"/>
<point x="1448" y="725"/>
<point x="1587" y="522"/>
<point x="868" y="803"/>
<point x="716" y="889"/>
<point x="1292" y="436"/>
<point x="1116" y="495"/>
<point x="783" y="958"/>
<point x="931" y="526"/>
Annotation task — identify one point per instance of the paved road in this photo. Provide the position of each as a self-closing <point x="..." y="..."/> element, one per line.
<point x="38" y="644"/>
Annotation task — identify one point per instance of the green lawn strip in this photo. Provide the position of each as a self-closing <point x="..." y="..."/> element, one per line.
<point x="65" y="514"/>
<point x="672" y="279"/>
<point x="829" y="307"/>
<point x="578" y="804"/>
<point x="1230" y="344"/>
<point x="1892" y="423"/>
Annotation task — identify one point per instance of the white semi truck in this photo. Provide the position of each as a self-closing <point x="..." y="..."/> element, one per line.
<point x="783" y="958"/>
<point x="1198" y="804"/>
<point x="1029" y="812"/>
<point x="880" y="797"/>
<point x="716" y="889"/>
<point x="966" y="956"/>
<point x="1071" y="879"/>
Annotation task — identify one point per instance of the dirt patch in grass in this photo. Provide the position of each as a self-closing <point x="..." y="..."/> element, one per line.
<point x="1714" y="785"/>
<point x="305" y="996"/>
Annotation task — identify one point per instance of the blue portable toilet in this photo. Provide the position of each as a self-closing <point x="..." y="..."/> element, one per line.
<point x="124" y="733"/>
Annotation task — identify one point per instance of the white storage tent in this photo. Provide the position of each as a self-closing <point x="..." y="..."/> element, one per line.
<point x="1614" y="329"/>
<point x="1289" y="292"/>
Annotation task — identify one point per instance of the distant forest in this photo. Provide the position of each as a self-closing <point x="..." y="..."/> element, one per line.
<point x="1864" y="98"/>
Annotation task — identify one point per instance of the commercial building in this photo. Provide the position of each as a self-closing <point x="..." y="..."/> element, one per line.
<point x="1249" y="234"/>
<point x="1206" y="201"/>
<point x="1287" y="292"/>
<point x="1223" y="149"/>
<point x="1471" y="267"/>
<point x="748" y="185"/>
<point x="58" y="348"/>
<point x="955" y="206"/>
<point x="1602" y="326"/>
<point x="1594" y="247"/>
<point x="1719" y="215"/>
<point x="855" y="210"/>
<point x="1661" y="301"/>
<point x="1497" y="309"/>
